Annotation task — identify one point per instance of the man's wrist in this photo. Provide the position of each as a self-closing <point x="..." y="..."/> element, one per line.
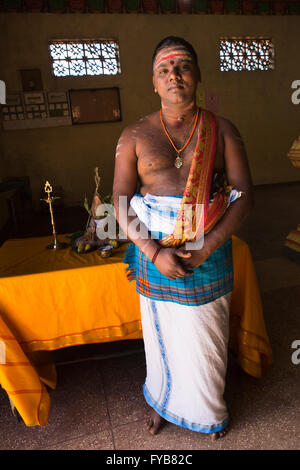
<point x="212" y="241"/>
<point x="209" y="245"/>
<point x="150" y="249"/>
<point x="156" y="254"/>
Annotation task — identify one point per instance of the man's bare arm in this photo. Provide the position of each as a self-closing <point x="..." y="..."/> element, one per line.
<point x="125" y="183"/>
<point x="238" y="176"/>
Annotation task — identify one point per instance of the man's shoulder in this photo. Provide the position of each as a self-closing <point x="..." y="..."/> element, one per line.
<point x="135" y="129"/>
<point x="226" y="127"/>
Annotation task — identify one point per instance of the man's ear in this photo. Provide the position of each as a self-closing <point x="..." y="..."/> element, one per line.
<point x="153" y="81"/>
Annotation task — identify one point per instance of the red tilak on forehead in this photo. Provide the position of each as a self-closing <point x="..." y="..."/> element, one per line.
<point x="172" y="56"/>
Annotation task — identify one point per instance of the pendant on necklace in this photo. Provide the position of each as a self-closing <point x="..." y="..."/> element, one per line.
<point x="178" y="161"/>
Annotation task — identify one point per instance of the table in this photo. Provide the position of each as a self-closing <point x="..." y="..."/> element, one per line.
<point x="55" y="299"/>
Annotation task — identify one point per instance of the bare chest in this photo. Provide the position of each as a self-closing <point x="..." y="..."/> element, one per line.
<point x="156" y="161"/>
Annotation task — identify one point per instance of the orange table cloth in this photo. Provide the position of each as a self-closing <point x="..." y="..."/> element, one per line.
<point x="54" y="299"/>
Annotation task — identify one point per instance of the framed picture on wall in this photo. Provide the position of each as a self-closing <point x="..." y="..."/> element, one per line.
<point x="31" y="80"/>
<point x="90" y="106"/>
<point x="57" y="97"/>
<point x="34" y="98"/>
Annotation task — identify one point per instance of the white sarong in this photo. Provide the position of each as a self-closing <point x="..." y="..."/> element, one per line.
<point x="185" y="346"/>
<point x="186" y="357"/>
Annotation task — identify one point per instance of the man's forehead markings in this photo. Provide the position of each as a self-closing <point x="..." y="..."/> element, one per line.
<point x="182" y="54"/>
<point x="172" y="49"/>
<point x="163" y="63"/>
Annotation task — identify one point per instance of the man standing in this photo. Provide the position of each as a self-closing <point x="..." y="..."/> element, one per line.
<point x="182" y="155"/>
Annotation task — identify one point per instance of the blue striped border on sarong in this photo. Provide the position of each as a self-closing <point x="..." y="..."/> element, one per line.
<point x="172" y="418"/>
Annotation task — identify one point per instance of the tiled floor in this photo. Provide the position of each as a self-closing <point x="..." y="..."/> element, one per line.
<point x="98" y="403"/>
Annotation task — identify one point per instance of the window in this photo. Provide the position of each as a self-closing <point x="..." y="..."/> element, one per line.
<point x="84" y="57"/>
<point x="247" y="53"/>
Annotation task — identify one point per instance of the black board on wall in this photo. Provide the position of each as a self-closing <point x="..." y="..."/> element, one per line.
<point x="95" y="105"/>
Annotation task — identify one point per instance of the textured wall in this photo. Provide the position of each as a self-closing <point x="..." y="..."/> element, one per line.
<point x="258" y="103"/>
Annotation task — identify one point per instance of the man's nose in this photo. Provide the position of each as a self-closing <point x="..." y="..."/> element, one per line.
<point x="175" y="73"/>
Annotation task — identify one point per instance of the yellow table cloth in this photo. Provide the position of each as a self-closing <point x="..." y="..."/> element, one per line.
<point x="54" y="299"/>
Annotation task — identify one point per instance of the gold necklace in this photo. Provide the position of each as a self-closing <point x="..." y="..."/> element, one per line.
<point x="178" y="160"/>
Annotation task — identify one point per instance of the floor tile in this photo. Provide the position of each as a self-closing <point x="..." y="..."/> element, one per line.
<point x="99" y="441"/>
<point x="123" y="379"/>
<point x="252" y="427"/>
<point x="78" y="406"/>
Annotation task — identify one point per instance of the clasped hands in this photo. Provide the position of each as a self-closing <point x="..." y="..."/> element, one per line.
<point x="175" y="263"/>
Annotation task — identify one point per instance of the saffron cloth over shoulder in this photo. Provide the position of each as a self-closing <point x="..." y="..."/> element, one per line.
<point x="203" y="213"/>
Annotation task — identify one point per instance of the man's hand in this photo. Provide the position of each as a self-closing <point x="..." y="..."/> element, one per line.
<point x="196" y="258"/>
<point x="170" y="264"/>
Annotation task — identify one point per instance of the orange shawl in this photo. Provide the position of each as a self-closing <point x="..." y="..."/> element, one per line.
<point x="190" y="225"/>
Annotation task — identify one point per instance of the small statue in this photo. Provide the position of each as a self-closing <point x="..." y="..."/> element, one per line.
<point x="89" y="240"/>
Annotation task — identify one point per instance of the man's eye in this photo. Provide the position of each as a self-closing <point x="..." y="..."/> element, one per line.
<point x="163" y="71"/>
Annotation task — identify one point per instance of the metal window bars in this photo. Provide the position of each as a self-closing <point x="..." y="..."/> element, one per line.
<point x="84" y="57"/>
<point x="246" y="53"/>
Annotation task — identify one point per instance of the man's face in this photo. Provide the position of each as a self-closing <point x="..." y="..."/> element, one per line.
<point x="175" y="75"/>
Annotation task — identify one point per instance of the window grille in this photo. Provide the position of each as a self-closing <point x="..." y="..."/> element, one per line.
<point x="84" y="57"/>
<point x="246" y="53"/>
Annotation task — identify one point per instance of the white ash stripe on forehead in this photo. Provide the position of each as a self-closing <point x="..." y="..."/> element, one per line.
<point x="171" y="53"/>
<point x="176" y="48"/>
